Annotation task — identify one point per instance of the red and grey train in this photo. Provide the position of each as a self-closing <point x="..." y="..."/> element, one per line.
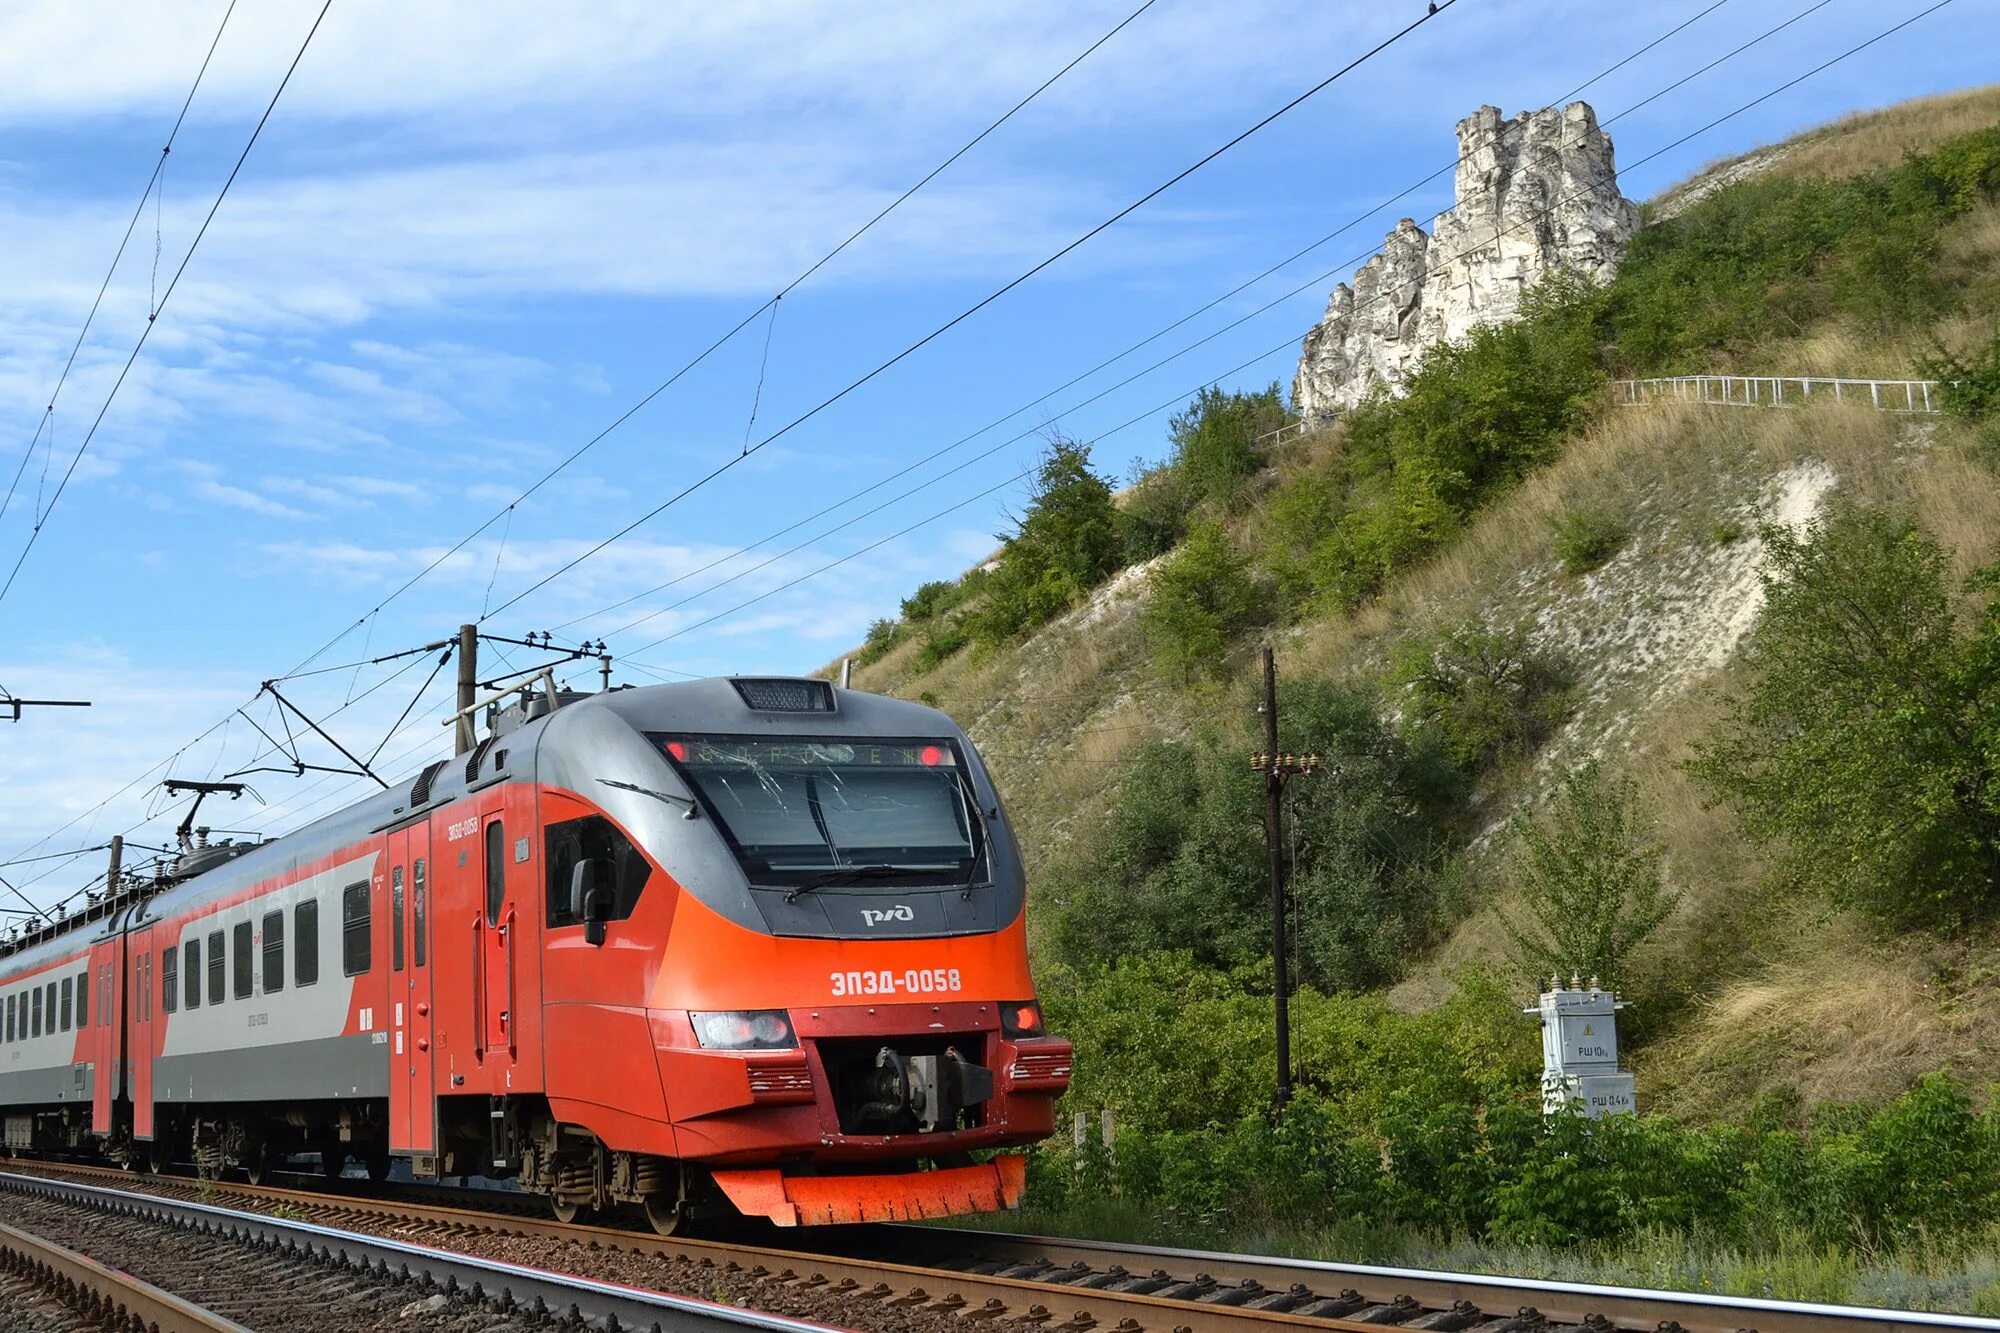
<point x="735" y="944"/>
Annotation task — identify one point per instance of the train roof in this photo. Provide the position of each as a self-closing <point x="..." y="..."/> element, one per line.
<point x="716" y="705"/>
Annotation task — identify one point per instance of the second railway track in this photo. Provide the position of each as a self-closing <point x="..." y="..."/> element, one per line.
<point x="893" y="1279"/>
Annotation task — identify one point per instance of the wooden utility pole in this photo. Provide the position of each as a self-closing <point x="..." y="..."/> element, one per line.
<point x="1274" y="786"/>
<point x="1277" y="769"/>
<point x="468" y="685"/>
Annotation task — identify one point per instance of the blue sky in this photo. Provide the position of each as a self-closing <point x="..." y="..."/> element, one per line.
<point x="473" y="235"/>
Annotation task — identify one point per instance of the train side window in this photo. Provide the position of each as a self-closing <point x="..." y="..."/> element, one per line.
<point x="419" y="912"/>
<point x="191" y="973"/>
<point x="37" y="1031"/>
<point x="305" y="949"/>
<point x="496" y="871"/>
<point x="274" y="952"/>
<point x="170" y="979"/>
<point x="51" y="1028"/>
<point x="8" y="1028"/>
<point x="82" y="1000"/>
<point x="357" y="942"/>
<point x="396" y="919"/>
<point x="239" y="946"/>
<point x="593" y="838"/>
<point x="65" y="1004"/>
<point x="218" y="965"/>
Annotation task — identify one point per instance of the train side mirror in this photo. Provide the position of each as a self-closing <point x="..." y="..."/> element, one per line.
<point x="591" y="898"/>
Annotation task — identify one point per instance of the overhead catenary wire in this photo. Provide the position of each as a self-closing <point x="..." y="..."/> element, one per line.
<point x="34" y="533"/>
<point x="987" y="300"/>
<point x="701" y="357"/>
<point x="631" y="654"/>
<point x="1158" y="334"/>
<point x="138" y="211"/>
<point x="1267" y="306"/>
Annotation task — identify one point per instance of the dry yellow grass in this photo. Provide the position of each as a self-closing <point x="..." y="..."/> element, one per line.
<point x="1863" y="141"/>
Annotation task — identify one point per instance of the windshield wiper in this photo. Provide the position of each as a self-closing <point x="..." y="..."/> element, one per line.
<point x="849" y="874"/>
<point x="692" y="809"/>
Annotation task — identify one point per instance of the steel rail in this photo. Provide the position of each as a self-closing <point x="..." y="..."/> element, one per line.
<point x="109" y="1290"/>
<point x="1561" y="1302"/>
<point x="1076" y="1284"/>
<point x="512" y="1285"/>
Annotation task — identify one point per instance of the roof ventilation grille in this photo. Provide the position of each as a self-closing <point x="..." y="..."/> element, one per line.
<point x="779" y="695"/>
<point x="420" y="790"/>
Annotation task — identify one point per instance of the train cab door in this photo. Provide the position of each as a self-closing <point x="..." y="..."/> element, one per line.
<point x="139" y="1008"/>
<point x="412" y="1100"/>
<point x="498" y="932"/>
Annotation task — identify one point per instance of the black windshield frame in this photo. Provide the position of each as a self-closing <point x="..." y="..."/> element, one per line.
<point x="969" y="864"/>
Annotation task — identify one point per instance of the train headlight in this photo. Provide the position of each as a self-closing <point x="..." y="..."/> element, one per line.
<point x="744" y="1030"/>
<point x="1021" y="1020"/>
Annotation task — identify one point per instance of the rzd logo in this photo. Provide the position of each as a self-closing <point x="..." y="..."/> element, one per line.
<point x="877" y="916"/>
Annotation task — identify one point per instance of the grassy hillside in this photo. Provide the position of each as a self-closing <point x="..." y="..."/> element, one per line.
<point x="1500" y="599"/>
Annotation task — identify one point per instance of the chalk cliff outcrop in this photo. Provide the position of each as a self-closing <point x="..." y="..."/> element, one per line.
<point x="1532" y="195"/>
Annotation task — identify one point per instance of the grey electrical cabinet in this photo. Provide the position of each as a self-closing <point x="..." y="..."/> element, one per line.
<point x="1580" y="1050"/>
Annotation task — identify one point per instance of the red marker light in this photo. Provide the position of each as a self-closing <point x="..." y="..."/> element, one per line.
<point x="677" y="750"/>
<point x="931" y="756"/>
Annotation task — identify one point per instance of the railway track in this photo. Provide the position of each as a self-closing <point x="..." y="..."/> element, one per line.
<point x="175" y="1265"/>
<point x="49" y="1288"/>
<point x="900" y="1279"/>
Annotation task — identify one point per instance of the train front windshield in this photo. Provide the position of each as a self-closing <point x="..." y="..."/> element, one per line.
<point x="800" y="812"/>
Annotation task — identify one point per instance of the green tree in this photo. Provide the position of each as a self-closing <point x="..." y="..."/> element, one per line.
<point x="1154" y="517"/>
<point x="1202" y="596"/>
<point x="1486" y="692"/>
<point x="1590" y="880"/>
<point x="1181" y="862"/>
<point x="1065" y="544"/>
<point x="1215" y="438"/>
<point x="1866" y="743"/>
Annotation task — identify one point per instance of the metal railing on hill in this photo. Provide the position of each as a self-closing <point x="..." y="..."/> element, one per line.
<point x="1271" y="439"/>
<point x="1778" y="391"/>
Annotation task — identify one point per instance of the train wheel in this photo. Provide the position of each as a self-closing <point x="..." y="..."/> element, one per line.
<point x="378" y="1166"/>
<point x="259" y="1168"/>
<point x="666" y="1214"/>
<point x="332" y="1162"/>
<point x="568" y="1213"/>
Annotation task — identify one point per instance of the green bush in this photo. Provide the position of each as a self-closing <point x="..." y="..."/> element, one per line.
<point x="1586" y="538"/>
<point x="932" y="599"/>
<point x="1201" y="598"/>
<point x="1431" y="1122"/>
<point x="1067" y="543"/>
<point x="1866" y="745"/>
<point x="1769" y="256"/>
<point x="1590" y="880"/>
<point x="938" y="639"/>
<point x="1154" y="517"/>
<point x="1487" y="693"/>
<point x="1215" y="439"/>
<point x="1181" y="865"/>
<point x="882" y="636"/>
<point x="1970" y="386"/>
